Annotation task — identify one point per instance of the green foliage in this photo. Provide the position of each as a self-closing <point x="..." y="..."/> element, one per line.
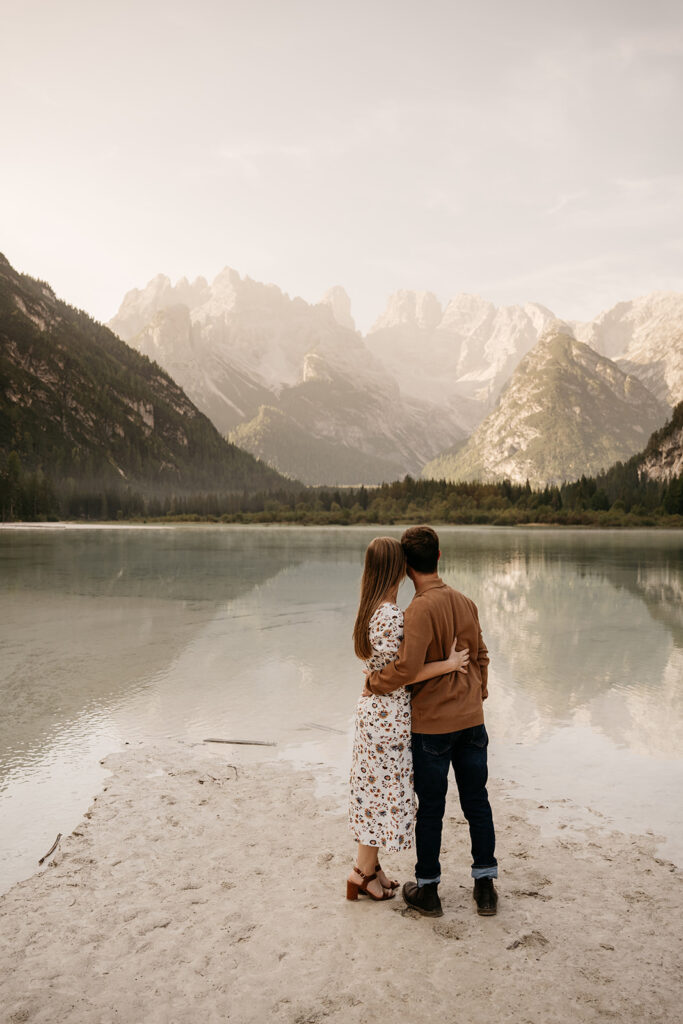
<point x="77" y="403"/>
<point x="585" y="503"/>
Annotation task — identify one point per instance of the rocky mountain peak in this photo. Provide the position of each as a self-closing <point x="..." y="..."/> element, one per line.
<point x="340" y="304"/>
<point x="465" y="313"/>
<point x="565" y="411"/>
<point x="140" y="305"/>
<point x="644" y="337"/>
<point x="419" y="309"/>
<point x="78" y="402"/>
<point x="556" y="337"/>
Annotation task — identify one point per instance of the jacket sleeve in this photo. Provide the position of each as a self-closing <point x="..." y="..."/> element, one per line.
<point x="417" y="635"/>
<point x="482" y="659"/>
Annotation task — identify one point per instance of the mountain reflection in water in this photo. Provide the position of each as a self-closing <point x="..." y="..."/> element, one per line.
<point x="135" y="634"/>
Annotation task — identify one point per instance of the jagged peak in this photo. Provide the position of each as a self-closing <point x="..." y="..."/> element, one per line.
<point x="646" y="301"/>
<point x="227" y="276"/>
<point x="556" y="330"/>
<point x="337" y="298"/>
<point x="420" y="308"/>
<point x="470" y="302"/>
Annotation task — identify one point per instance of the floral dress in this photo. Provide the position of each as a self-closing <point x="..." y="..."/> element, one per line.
<point x="382" y="798"/>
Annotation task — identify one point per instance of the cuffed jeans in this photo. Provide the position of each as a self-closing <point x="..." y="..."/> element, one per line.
<point x="432" y="757"/>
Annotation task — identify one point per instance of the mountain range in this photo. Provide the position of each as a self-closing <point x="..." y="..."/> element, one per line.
<point x="565" y="412"/>
<point x="296" y="385"/>
<point x="293" y="383"/>
<point x="645" y="338"/>
<point x="77" y="402"/>
<point x="459" y="356"/>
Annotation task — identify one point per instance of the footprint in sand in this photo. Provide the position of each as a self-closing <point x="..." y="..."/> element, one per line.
<point x="531" y="940"/>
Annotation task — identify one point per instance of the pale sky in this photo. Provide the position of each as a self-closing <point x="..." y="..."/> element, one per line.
<point x="523" y="151"/>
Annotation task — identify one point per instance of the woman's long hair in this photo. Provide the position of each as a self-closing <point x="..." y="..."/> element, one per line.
<point x="385" y="566"/>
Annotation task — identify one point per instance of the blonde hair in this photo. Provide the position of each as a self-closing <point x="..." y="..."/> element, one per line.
<point x="385" y="566"/>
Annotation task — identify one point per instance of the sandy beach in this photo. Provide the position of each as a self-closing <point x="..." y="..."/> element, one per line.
<point x="200" y="886"/>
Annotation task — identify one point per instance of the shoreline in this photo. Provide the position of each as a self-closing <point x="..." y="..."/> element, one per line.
<point x="71" y="524"/>
<point x="190" y="891"/>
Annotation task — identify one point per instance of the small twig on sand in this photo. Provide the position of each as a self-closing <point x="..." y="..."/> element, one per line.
<point x="246" y="743"/>
<point x="325" y="728"/>
<point x="51" y="850"/>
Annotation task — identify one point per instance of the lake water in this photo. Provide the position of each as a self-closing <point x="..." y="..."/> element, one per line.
<point x="112" y="635"/>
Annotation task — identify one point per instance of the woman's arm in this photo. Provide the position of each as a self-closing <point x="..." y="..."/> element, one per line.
<point x="457" y="661"/>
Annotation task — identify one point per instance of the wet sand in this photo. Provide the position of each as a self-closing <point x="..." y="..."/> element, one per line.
<point x="202" y="885"/>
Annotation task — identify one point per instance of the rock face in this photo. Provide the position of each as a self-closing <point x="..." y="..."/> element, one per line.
<point x="76" y="401"/>
<point x="566" y="411"/>
<point x="293" y="382"/>
<point x="340" y="304"/>
<point x="298" y="386"/>
<point x="663" y="457"/>
<point x="460" y="356"/>
<point x="645" y="338"/>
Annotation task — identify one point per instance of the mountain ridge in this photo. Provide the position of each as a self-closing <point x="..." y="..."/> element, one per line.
<point x="565" y="412"/>
<point x="76" y="401"/>
<point x="423" y="378"/>
<point x="250" y="347"/>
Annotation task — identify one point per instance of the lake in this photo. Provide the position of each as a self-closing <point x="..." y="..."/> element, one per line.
<point x="115" y="635"/>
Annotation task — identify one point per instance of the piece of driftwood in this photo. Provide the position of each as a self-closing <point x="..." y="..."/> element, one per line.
<point x="51" y="850"/>
<point x="325" y="728"/>
<point x="246" y="743"/>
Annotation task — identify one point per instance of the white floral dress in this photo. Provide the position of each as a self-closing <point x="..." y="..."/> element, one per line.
<point x="382" y="798"/>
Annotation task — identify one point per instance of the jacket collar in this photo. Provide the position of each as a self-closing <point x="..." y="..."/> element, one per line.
<point x="430" y="585"/>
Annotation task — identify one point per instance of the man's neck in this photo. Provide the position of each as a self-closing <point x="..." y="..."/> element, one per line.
<point x="422" y="579"/>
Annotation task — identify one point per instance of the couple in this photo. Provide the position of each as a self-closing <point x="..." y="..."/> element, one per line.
<point x="421" y="711"/>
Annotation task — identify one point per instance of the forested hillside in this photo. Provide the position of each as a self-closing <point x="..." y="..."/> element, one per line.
<point x="84" y="412"/>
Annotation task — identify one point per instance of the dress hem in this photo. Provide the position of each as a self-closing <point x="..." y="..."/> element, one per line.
<point x="389" y="847"/>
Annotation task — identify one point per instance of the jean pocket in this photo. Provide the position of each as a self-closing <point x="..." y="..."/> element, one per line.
<point x="437" y="746"/>
<point x="478" y="736"/>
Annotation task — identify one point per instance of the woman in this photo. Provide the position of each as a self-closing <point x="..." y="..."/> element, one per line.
<point x="382" y="799"/>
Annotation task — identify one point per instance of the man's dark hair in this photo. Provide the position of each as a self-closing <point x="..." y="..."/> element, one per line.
<point x="421" y="546"/>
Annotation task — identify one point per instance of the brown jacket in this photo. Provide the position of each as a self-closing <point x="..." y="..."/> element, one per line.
<point x="433" y="618"/>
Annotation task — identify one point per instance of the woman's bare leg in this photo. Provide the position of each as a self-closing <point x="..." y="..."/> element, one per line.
<point x="366" y="861"/>
<point x="369" y="855"/>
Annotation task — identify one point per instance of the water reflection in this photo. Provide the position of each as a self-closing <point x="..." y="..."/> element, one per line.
<point x="588" y="627"/>
<point x="90" y="616"/>
<point x="133" y="634"/>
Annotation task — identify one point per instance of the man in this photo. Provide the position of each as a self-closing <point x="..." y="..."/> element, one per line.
<point x="448" y="724"/>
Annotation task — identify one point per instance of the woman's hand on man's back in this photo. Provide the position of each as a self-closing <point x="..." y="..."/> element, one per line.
<point x="459" y="659"/>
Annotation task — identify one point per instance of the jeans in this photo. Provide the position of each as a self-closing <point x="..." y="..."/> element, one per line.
<point x="432" y="757"/>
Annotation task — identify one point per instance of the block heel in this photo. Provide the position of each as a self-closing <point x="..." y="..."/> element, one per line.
<point x="352" y="890"/>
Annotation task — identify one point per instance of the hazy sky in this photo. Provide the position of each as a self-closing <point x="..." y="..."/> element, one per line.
<point x="519" y="150"/>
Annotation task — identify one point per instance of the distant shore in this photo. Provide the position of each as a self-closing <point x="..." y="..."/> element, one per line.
<point x="190" y="521"/>
<point x="201" y="887"/>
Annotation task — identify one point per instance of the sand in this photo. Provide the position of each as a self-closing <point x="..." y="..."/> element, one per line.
<point x="194" y="891"/>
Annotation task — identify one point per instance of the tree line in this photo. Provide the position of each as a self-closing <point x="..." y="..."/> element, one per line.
<point x="621" y="496"/>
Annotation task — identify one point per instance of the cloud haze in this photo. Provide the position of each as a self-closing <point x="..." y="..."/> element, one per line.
<point x="522" y="152"/>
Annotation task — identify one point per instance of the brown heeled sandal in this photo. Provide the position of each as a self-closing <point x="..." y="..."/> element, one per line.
<point x="392" y="884"/>
<point x="354" y="889"/>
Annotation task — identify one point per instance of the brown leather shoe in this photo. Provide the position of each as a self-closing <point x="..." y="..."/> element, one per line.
<point x="423" y="898"/>
<point x="485" y="896"/>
